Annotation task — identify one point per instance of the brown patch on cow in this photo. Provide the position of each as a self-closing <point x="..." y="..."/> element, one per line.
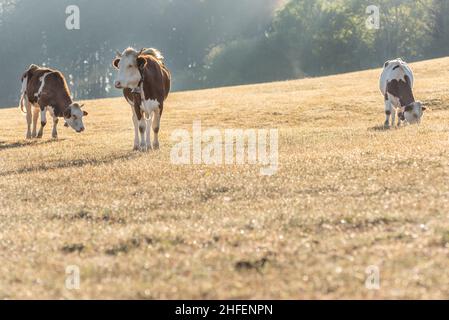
<point x="157" y="79"/>
<point x="402" y="90"/>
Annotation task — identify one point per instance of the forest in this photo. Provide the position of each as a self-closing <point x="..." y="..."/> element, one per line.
<point x="213" y="43"/>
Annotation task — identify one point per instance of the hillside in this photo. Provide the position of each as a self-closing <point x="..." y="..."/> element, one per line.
<point x="348" y="195"/>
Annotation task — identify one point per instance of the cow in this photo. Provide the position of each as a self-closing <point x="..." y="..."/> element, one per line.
<point x="145" y="81"/>
<point x="43" y="90"/>
<point x="396" y="85"/>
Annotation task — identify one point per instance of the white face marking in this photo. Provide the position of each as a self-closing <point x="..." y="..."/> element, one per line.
<point x="128" y="73"/>
<point x="76" y="119"/>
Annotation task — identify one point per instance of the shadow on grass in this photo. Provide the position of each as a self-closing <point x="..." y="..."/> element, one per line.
<point x="77" y="163"/>
<point x="379" y="128"/>
<point x="22" y="144"/>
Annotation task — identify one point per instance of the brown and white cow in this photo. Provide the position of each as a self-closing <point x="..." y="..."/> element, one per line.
<point x="146" y="82"/>
<point x="45" y="90"/>
<point x="396" y="85"/>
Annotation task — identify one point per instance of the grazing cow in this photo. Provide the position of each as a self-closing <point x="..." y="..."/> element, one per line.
<point x="396" y="85"/>
<point x="46" y="90"/>
<point x="145" y="81"/>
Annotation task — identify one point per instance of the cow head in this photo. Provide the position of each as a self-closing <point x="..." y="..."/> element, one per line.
<point x="73" y="117"/>
<point x="395" y="64"/>
<point x="129" y="65"/>
<point x="413" y="112"/>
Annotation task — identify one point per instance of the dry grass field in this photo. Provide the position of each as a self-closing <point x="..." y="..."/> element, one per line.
<point x="348" y="195"/>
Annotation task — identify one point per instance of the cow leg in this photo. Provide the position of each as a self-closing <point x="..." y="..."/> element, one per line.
<point x="143" y="131"/>
<point x="148" y="118"/>
<point x="156" y="127"/>
<point x="388" y="113"/>
<point x="136" y="125"/>
<point x="29" y="116"/>
<point x="400" y="116"/>
<point x="54" y="133"/>
<point x="36" y="111"/>
<point x="136" y="132"/>
<point x="393" y="116"/>
<point x="43" y="122"/>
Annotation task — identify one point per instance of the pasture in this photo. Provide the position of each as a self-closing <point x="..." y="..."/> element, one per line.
<point x="347" y="195"/>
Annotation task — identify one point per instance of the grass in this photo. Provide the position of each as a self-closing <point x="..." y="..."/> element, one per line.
<point x="348" y="195"/>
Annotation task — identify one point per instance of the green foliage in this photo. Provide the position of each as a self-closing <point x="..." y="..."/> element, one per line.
<point x="211" y="43"/>
<point x="318" y="37"/>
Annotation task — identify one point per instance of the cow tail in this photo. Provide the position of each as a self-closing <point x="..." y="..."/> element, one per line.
<point x="21" y="105"/>
<point x="23" y="93"/>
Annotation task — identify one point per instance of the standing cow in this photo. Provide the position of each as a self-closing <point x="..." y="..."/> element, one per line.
<point x="46" y="90"/>
<point x="396" y="85"/>
<point x="145" y="81"/>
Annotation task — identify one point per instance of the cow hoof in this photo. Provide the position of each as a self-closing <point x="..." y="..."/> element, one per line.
<point x="143" y="149"/>
<point x="136" y="148"/>
<point x="29" y="137"/>
<point x="55" y="137"/>
<point x="156" y="146"/>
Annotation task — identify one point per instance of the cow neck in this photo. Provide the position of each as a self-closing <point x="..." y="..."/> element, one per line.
<point x="61" y="106"/>
<point x="137" y="98"/>
<point x="138" y="89"/>
<point x="137" y="93"/>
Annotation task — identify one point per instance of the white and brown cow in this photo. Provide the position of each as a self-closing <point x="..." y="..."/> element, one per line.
<point x="45" y="90"/>
<point x="396" y="85"/>
<point x="145" y="81"/>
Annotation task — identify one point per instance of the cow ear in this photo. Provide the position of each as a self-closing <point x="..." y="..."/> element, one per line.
<point x="115" y="62"/>
<point x="421" y="105"/>
<point x="85" y="113"/>
<point x="141" y="62"/>
<point x="68" y="113"/>
<point x="386" y="64"/>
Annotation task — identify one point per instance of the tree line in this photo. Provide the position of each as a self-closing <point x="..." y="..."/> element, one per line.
<point x="211" y="43"/>
<point x="321" y="37"/>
